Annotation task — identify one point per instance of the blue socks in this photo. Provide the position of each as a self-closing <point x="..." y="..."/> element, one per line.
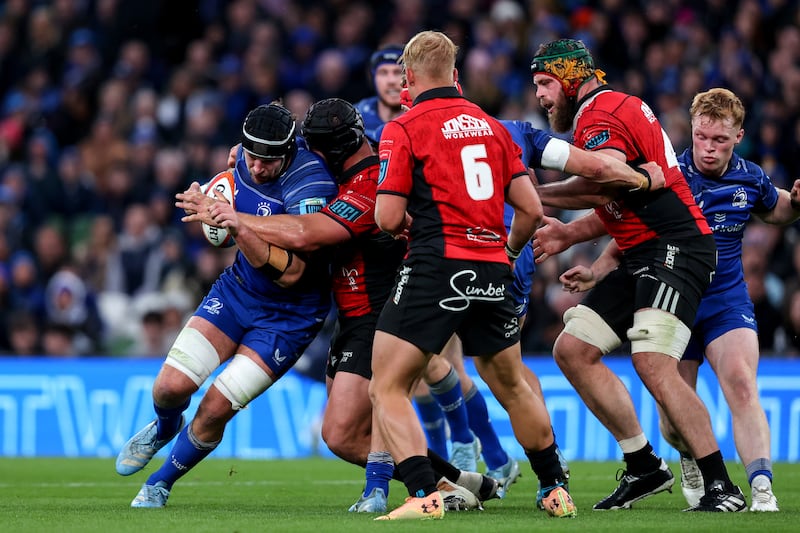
<point x="759" y="467"/>
<point x="379" y="471"/>
<point x="169" y="420"/>
<point x="448" y="393"/>
<point x="186" y="452"/>
<point x="433" y="423"/>
<point x="493" y="453"/>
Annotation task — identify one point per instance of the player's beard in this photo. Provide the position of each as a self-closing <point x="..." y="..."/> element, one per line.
<point x="561" y="117"/>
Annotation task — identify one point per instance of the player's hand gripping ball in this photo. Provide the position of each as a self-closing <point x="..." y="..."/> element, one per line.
<point x="225" y="184"/>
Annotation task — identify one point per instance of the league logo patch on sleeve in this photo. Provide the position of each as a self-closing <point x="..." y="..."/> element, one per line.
<point x="311" y="205"/>
<point x="384" y="155"/>
<point x="597" y="139"/>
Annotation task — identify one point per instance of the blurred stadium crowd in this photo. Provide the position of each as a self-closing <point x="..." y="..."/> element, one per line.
<point x="110" y="107"/>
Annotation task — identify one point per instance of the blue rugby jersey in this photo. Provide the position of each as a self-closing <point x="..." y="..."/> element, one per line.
<point x="727" y="203"/>
<point x="373" y="125"/>
<point x="305" y="187"/>
<point x="532" y="141"/>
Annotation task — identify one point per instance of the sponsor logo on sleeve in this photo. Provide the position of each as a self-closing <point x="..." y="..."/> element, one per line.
<point x="212" y="306"/>
<point x="346" y="209"/>
<point x="597" y="140"/>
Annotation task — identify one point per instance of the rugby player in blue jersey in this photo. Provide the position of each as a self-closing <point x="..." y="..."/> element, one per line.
<point x="729" y="190"/>
<point x="259" y="316"/>
<point x="386" y="77"/>
<point x="364" y="263"/>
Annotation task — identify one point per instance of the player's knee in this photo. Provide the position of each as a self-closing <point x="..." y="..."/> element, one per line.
<point x="242" y="381"/>
<point x="586" y="325"/>
<point x="345" y="443"/>
<point x="741" y="389"/>
<point x="172" y="389"/>
<point x="583" y="325"/>
<point x="193" y="356"/>
<point x="657" y="331"/>
<point x="437" y="369"/>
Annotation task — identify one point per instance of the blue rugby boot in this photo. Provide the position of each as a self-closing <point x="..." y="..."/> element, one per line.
<point x="151" y="496"/>
<point x="141" y="448"/>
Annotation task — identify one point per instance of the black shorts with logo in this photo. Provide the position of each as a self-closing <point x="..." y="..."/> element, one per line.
<point x="434" y="297"/>
<point x="351" y="347"/>
<point x="670" y="275"/>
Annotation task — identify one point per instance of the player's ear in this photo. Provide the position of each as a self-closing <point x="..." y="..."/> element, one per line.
<point x="411" y="78"/>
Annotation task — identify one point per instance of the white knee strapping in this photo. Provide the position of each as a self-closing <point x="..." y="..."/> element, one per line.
<point x="242" y="381"/>
<point x="657" y="331"/>
<point x="583" y="323"/>
<point x="193" y="355"/>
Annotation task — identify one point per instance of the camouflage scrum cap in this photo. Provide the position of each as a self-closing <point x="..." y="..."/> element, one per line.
<point x="569" y="61"/>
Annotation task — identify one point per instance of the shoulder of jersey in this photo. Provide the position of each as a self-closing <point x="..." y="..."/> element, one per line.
<point x="224" y="183"/>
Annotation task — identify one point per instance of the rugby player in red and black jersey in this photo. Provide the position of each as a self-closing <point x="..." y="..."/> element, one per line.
<point x="451" y="167"/>
<point x="668" y="259"/>
<point x="364" y="264"/>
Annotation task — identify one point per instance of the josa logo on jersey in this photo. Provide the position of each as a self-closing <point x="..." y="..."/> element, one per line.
<point x="311" y="205"/>
<point x="465" y="126"/>
<point x="384" y="156"/>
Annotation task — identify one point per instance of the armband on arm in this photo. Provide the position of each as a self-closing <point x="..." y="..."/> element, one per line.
<point x="278" y="262"/>
<point x="512" y="254"/>
<point x="645" y="183"/>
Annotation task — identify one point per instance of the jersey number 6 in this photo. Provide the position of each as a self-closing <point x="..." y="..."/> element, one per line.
<point x="477" y="174"/>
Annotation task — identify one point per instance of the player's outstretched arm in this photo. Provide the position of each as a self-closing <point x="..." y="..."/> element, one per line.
<point x="301" y="233"/>
<point x="575" y="192"/>
<point x="602" y="168"/>
<point x="787" y="210"/>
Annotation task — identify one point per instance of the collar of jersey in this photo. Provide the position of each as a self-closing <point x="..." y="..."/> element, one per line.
<point x="358" y="167"/>
<point x="591" y="94"/>
<point x="438" y="92"/>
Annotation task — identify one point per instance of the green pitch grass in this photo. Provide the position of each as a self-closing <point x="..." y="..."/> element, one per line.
<point x="229" y="495"/>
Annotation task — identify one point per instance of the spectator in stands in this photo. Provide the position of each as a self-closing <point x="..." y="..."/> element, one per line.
<point x="137" y="261"/>
<point x="24" y="334"/>
<point x="791" y="316"/>
<point x="71" y="311"/>
<point x="58" y="340"/>
<point x="25" y="290"/>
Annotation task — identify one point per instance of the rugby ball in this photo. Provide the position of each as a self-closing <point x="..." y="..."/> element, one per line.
<point x="225" y="183"/>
